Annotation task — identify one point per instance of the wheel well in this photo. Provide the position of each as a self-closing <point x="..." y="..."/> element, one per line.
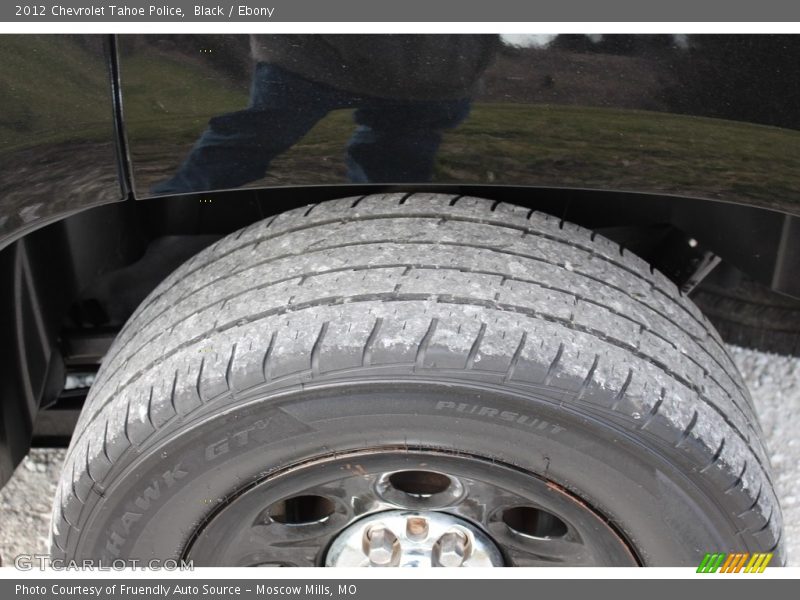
<point x="66" y="289"/>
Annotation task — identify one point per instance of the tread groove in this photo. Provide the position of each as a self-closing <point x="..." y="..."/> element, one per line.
<point x="588" y="379"/>
<point x="266" y="365"/>
<point x="473" y="351"/>
<point x="512" y="365"/>
<point x="777" y="543"/>
<point x="172" y="392"/>
<point x="149" y="407"/>
<point x="72" y="481"/>
<point x="738" y="481"/>
<point x="357" y="201"/>
<point x="755" y="502"/>
<point x="105" y="444"/>
<point x="315" y="368"/>
<point x="366" y="355"/>
<point x="229" y="367"/>
<point x="125" y="423"/>
<point x="548" y="378"/>
<point x="198" y="383"/>
<point x="88" y="469"/>
<point x="422" y="349"/>
<point x="767" y="523"/>
<point x="714" y="458"/>
<point x="654" y="411"/>
<point x="621" y="393"/>
<point x="685" y="435"/>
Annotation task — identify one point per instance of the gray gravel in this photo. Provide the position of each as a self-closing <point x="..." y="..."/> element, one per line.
<point x="26" y="502"/>
<point x="774" y="383"/>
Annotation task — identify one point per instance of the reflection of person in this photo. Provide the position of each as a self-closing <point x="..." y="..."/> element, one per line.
<point x="406" y="91"/>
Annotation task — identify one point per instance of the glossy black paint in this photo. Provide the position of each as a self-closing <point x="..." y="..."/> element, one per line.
<point x="711" y="117"/>
<point x="58" y="147"/>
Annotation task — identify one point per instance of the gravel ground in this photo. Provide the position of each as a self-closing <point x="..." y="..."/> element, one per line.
<point x="774" y="383"/>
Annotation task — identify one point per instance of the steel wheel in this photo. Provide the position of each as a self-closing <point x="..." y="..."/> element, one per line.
<point x="409" y="506"/>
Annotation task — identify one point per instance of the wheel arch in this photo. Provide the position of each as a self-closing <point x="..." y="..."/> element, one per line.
<point x="42" y="273"/>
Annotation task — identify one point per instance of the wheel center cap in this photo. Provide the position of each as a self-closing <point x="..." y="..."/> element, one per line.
<point x="402" y="538"/>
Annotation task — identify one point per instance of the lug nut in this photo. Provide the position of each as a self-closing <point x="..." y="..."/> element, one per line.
<point x="452" y="549"/>
<point x="417" y="528"/>
<point x="381" y="546"/>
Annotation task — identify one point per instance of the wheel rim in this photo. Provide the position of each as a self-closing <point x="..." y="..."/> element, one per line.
<point x="305" y="515"/>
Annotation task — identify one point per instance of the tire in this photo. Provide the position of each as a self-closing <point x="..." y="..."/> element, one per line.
<point x="751" y="315"/>
<point x="414" y="324"/>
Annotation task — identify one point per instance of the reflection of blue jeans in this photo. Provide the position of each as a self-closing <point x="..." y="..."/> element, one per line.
<point x="395" y="141"/>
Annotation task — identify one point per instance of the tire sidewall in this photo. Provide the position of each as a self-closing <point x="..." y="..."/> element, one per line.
<point x="667" y="517"/>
